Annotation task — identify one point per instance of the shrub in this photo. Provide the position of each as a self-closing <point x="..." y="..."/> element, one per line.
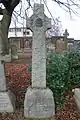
<point x="74" y="63"/>
<point x="57" y="81"/>
<point x="63" y="74"/>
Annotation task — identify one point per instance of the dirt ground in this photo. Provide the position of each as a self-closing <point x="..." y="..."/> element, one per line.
<point x="24" y="58"/>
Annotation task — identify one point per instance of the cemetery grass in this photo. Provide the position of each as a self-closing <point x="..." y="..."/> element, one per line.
<point x="18" y="79"/>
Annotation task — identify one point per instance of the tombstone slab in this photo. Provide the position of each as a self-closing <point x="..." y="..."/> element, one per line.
<point x="77" y="97"/>
<point x="39" y="101"/>
<point x="7" y="98"/>
<point x="7" y="102"/>
<point x="14" y="53"/>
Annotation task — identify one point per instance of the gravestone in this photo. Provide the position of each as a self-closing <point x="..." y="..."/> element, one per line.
<point x="39" y="101"/>
<point x="66" y="34"/>
<point x="7" y="99"/>
<point x="60" y="45"/>
<point x="77" y="97"/>
<point x="14" y="53"/>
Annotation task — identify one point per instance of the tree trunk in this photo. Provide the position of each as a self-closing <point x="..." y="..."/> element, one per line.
<point x="4" y="31"/>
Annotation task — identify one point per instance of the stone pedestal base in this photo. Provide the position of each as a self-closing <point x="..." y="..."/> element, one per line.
<point x="39" y="103"/>
<point x="77" y="97"/>
<point x="7" y="102"/>
<point x="15" y="57"/>
<point x="7" y="58"/>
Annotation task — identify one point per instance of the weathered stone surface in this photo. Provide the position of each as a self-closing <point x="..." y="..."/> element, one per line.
<point x="5" y="58"/>
<point x="15" y="57"/>
<point x="39" y="103"/>
<point x="7" y="101"/>
<point x="77" y="97"/>
<point x="14" y="53"/>
<point x="2" y="78"/>
<point x="39" y="59"/>
<point x="39" y="23"/>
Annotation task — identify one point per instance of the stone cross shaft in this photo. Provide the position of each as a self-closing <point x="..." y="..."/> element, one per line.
<point x="66" y="34"/>
<point x="39" y="23"/>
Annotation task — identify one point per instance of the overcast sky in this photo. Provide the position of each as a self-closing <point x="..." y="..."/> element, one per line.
<point x="72" y="24"/>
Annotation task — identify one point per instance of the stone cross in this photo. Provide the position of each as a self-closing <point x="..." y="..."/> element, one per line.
<point x="39" y="102"/>
<point x="39" y="23"/>
<point x="66" y="34"/>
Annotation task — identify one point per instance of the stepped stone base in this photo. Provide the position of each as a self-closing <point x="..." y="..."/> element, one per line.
<point x="15" y="57"/>
<point x="7" y="102"/>
<point x="6" y="58"/>
<point x="39" y="103"/>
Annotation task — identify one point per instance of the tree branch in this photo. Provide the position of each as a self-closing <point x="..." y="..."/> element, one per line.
<point x="10" y="4"/>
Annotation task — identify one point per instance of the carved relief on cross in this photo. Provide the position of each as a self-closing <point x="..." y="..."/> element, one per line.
<point x="38" y="19"/>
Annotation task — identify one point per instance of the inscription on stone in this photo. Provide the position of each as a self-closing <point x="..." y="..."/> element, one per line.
<point x="3" y="101"/>
<point x="41" y="105"/>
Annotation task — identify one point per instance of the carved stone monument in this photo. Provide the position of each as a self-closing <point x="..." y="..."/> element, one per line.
<point x="6" y="97"/>
<point x="60" y="46"/>
<point x="39" y="101"/>
<point x="66" y="34"/>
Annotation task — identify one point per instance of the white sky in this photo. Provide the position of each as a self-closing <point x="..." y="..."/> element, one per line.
<point x="73" y="25"/>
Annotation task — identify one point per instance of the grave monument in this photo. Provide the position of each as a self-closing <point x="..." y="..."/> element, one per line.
<point x="66" y="34"/>
<point x="39" y="101"/>
<point x="6" y="97"/>
<point x="14" y="54"/>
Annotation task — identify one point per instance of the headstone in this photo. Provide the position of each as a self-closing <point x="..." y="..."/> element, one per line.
<point x="74" y="48"/>
<point x="70" y="47"/>
<point x="14" y="53"/>
<point x="7" y="99"/>
<point x="77" y="97"/>
<point x="39" y="101"/>
<point x="60" y="45"/>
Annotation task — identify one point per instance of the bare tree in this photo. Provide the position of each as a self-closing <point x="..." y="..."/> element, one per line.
<point x="56" y="28"/>
<point x="7" y="14"/>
